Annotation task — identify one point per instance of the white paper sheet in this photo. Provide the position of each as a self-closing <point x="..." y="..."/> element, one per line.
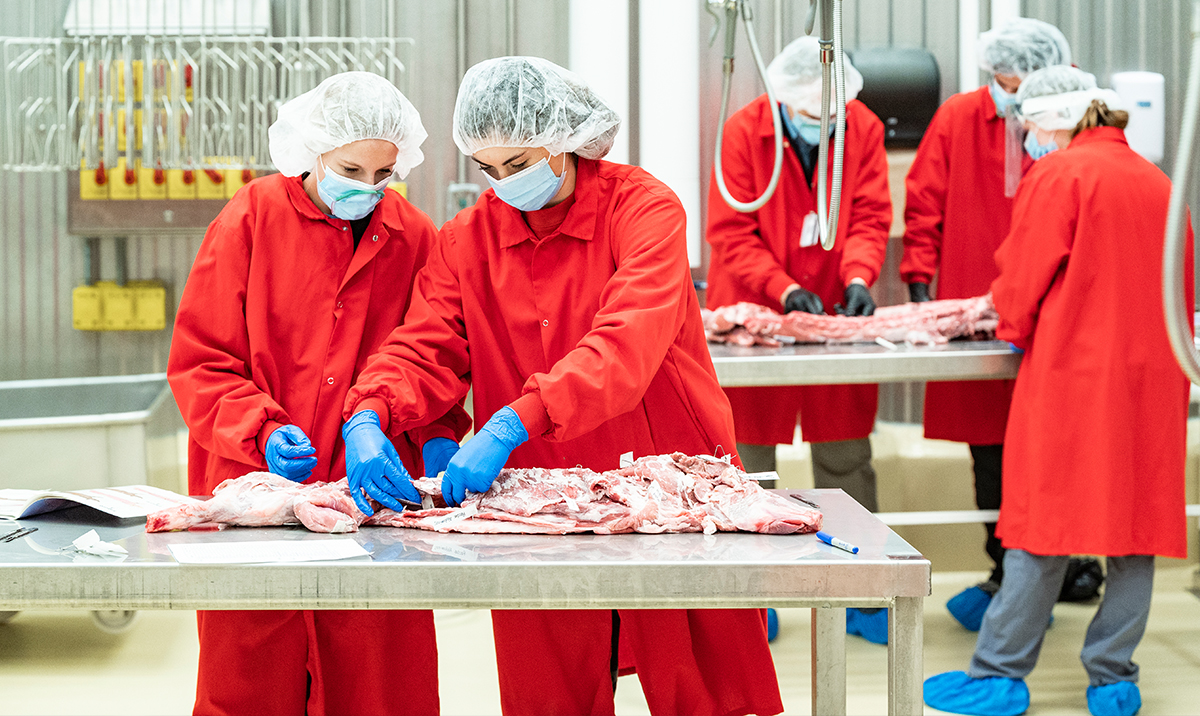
<point x="319" y="550"/>
<point x="126" y="502"/>
<point x="90" y="543"/>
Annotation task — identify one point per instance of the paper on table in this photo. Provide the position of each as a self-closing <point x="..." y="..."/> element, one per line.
<point x="267" y="551"/>
<point x="91" y="543"/>
<point x="126" y="502"/>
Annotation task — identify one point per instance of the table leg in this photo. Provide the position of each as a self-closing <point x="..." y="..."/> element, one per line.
<point x="829" y="661"/>
<point x="906" y="632"/>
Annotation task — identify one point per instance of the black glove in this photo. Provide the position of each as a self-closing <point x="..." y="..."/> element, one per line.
<point x="918" y="292"/>
<point x="858" y="301"/>
<point x="803" y="300"/>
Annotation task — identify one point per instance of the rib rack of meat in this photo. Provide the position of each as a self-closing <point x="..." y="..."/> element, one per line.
<point x="932" y="322"/>
<point x="657" y="494"/>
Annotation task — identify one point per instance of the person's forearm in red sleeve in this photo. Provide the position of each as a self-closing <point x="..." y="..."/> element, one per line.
<point x="420" y="369"/>
<point x="735" y="235"/>
<point x="925" y="205"/>
<point x="226" y="412"/>
<point x="1032" y="255"/>
<point x="870" y="213"/>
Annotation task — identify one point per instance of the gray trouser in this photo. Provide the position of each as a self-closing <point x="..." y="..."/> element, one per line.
<point x="841" y="463"/>
<point x="1016" y="620"/>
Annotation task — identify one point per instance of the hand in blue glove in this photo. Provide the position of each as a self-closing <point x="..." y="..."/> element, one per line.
<point x="436" y="455"/>
<point x="476" y="466"/>
<point x="1015" y="349"/>
<point x="372" y="465"/>
<point x="289" y="453"/>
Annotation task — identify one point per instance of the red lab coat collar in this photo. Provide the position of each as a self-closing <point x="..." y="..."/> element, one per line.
<point x="766" y="124"/>
<point x="581" y="219"/>
<point x="1099" y="134"/>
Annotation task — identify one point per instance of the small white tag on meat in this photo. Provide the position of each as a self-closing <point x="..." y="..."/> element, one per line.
<point x="626" y="459"/>
<point x="455" y="517"/>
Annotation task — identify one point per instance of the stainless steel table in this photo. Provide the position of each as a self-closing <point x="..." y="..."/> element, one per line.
<point x="808" y="364"/>
<point x="409" y="569"/>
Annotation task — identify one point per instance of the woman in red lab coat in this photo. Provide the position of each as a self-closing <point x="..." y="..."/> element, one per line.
<point x="299" y="279"/>
<point x="1095" y="446"/>
<point x="564" y="297"/>
<point x="957" y="212"/>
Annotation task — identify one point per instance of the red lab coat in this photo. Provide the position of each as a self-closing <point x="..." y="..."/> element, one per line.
<point x="598" y="327"/>
<point x="955" y="217"/>
<point x="755" y="256"/>
<point x="1094" y="453"/>
<point x="277" y="319"/>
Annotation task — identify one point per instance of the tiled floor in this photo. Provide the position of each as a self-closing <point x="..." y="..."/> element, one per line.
<point x="60" y="663"/>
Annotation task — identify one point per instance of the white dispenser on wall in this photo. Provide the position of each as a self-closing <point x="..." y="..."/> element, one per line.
<point x="1143" y="96"/>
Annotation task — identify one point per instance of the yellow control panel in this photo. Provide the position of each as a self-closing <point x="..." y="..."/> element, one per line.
<point x="136" y="306"/>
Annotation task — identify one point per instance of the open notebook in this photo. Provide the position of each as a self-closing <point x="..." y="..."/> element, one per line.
<point x="125" y="502"/>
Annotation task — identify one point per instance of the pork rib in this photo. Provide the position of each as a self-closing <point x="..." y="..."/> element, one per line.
<point x="656" y="494"/>
<point x="931" y="322"/>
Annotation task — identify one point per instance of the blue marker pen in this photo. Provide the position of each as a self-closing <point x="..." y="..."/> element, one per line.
<point x="835" y="542"/>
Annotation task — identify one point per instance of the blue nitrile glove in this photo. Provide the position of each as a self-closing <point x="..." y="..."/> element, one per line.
<point x="1015" y="349"/>
<point x="289" y="453"/>
<point x="372" y="465"/>
<point x="476" y="466"/>
<point x="436" y="455"/>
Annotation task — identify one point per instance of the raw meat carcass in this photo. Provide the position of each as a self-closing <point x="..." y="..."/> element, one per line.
<point x="262" y="499"/>
<point x="656" y="494"/>
<point x="930" y="323"/>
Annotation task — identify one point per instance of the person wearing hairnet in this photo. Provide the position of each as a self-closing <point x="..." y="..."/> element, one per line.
<point x="565" y="298"/>
<point x="957" y="212"/>
<point x="1095" y="446"/>
<point x="299" y="278"/>
<point x="773" y="257"/>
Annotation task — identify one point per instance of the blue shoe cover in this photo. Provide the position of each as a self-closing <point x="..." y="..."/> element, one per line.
<point x="772" y="625"/>
<point x="871" y="626"/>
<point x="958" y="693"/>
<point x="1120" y="699"/>
<point x="968" y="607"/>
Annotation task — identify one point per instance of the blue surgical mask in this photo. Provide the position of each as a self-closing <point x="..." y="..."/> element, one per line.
<point x="808" y="130"/>
<point x="530" y="188"/>
<point x="1036" y="149"/>
<point x="348" y="198"/>
<point x="1003" y="99"/>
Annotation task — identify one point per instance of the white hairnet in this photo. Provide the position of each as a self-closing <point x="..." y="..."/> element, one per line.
<point x="345" y="108"/>
<point x="1021" y="46"/>
<point x="795" y="75"/>
<point x="1057" y="97"/>
<point x="531" y="102"/>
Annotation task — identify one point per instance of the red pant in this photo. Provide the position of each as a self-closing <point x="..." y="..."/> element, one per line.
<point x="319" y="663"/>
<point x="694" y="662"/>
